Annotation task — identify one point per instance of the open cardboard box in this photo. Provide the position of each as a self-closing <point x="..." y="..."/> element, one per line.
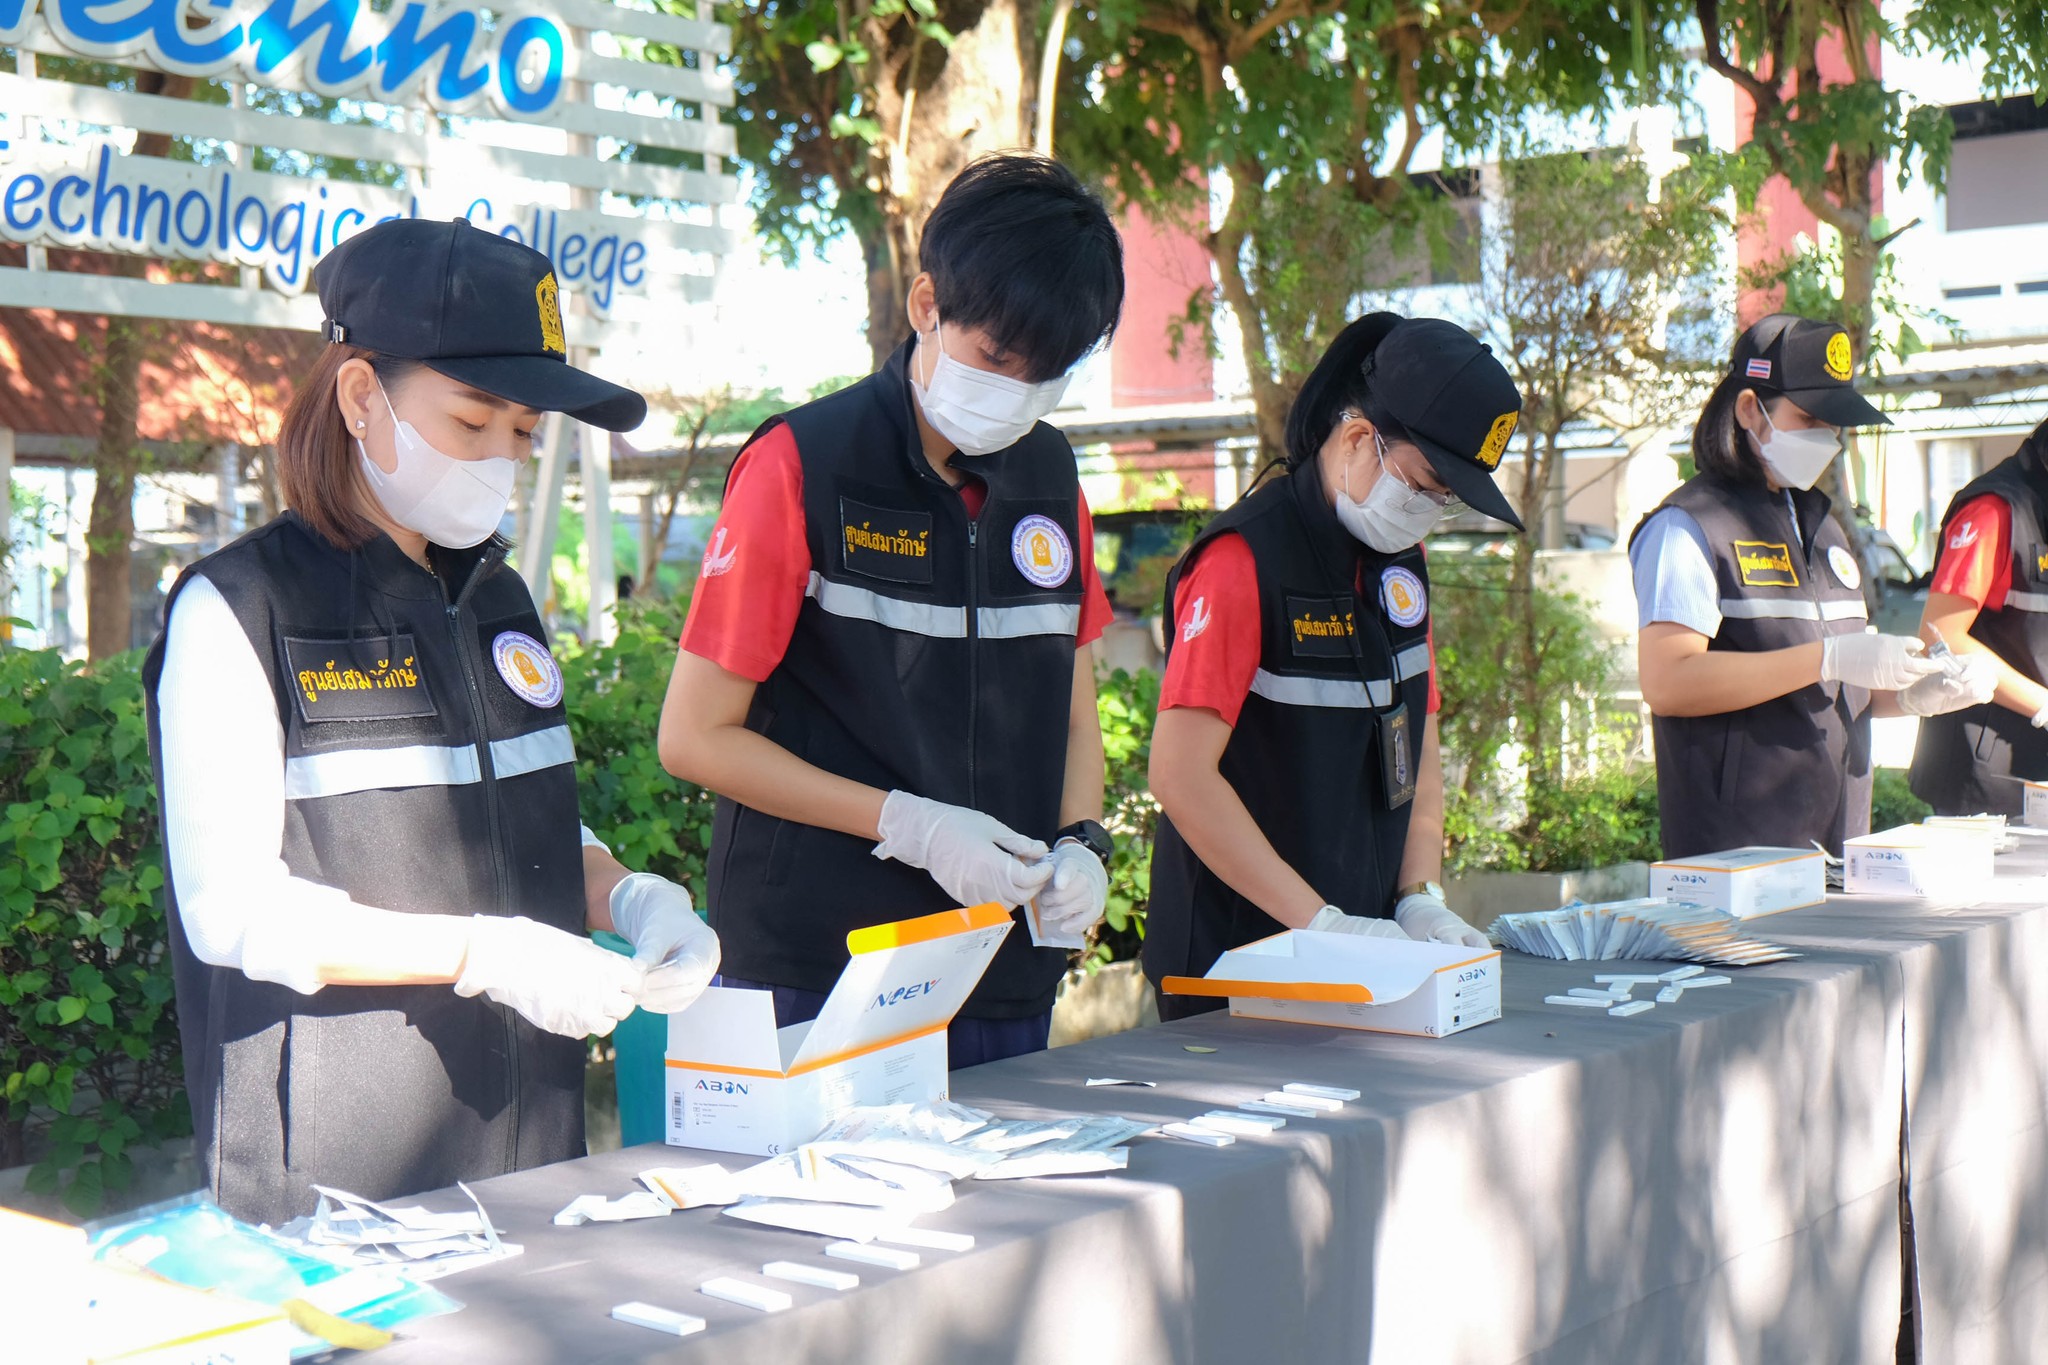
<point x="1386" y="985"/>
<point x="736" y="1083"/>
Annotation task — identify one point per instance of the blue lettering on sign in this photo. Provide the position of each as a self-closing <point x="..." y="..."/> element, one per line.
<point x="440" y="47"/>
<point x="722" y="1087"/>
<point x="903" y="993"/>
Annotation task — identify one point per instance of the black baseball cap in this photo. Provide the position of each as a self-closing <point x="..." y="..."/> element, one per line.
<point x="1457" y="402"/>
<point x="482" y="309"/>
<point x="1810" y="363"/>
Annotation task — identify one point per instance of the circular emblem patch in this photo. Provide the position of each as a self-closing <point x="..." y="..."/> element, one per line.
<point x="1403" y="596"/>
<point x="1041" y="551"/>
<point x="1838" y="356"/>
<point x="1844" y="565"/>
<point x="527" y="668"/>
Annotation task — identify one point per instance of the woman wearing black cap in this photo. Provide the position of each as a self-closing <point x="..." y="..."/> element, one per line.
<point x="1754" y="651"/>
<point x="1295" y="758"/>
<point x="368" y="790"/>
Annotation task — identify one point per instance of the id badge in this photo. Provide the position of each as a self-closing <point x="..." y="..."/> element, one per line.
<point x="1397" y="757"/>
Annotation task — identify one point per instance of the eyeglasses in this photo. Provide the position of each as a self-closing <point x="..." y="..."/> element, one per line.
<point x="1448" y="502"/>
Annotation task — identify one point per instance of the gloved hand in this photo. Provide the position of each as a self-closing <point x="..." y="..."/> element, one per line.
<point x="2041" y="719"/>
<point x="1428" y="920"/>
<point x="1882" y="663"/>
<point x="679" y="950"/>
<point x="559" y="981"/>
<point x="1072" y="901"/>
<point x="1331" y="920"/>
<point x="975" y="858"/>
<point x="1968" y="680"/>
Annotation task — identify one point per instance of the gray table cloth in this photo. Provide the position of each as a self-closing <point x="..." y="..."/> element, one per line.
<point x="1715" y="1180"/>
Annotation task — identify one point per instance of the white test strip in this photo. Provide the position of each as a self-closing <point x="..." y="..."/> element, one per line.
<point x="746" y="1295"/>
<point x="660" y="1319"/>
<point x="1616" y="980"/>
<point x="824" y="1277"/>
<point x="1600" y="992"/>
<point x="1284" y="1110"/>
<point x="1598" y="1001"/>
<point x="932" y="1238"/>
<point x="1243" y="1125"/>
<point x="1696" y="982"/>
<point x="1207" y="1137"/>
<point x="1632" y="1007"/>
<point x="889" y="1258"/>
<point x="1671" y="992"/>
<point x="1681" y="973"/>
<point x="1302" y="1101"/>
<point x="1321" y="1092"/>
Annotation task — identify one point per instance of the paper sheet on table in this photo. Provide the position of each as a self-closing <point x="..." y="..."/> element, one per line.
<point x="595" y="1208"/>
<point x="842" y="1222"/>
<point x="817" y="1174"/>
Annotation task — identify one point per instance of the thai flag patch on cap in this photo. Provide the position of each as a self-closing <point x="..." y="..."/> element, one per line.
<point x="1758" y="369"/>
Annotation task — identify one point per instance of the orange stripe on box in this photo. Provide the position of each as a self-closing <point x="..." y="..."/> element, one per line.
<point x="1325" y="992"/>
<point x="818" y="1064"/>
<point x="723" y="1070"/>
<point x="925" y="928"/>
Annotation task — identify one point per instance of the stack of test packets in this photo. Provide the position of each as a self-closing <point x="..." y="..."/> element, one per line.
<point x="1648" y="929"/>
<point x="1616" y="993"/>
<point x="351" y="1230"/>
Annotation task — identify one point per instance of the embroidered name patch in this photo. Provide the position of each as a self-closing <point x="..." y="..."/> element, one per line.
<point x="1320" y="627"/>
<point x="1765" y="564"/>
<point x="365" y="679"/>
<point x="1844" y="565"/>
<point x="1404" y="597"/>
<point x="1041" y="551"/>
<point x="896" y="546"/>
<point x="527" y="668"/>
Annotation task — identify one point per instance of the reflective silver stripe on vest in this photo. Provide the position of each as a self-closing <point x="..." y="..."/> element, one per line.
<point x="530" y="753"/>
<point x="1335" y="692"/>
<point x="2027" y="601"/>
<point x="862" y="604"/>
<point x="1783" y="609"/>
<point x="1038" y="618"/>
<point x="1411" y="662"/>
<point x="359" y="770"/>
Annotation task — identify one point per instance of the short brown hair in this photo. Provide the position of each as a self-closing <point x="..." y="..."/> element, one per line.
<point x="316" y="453"/>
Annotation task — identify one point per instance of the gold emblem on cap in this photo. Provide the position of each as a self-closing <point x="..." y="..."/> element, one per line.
<point x="1496" y="443"/>
<point x="1839" y="358"/>
<point x="547" y="295"/>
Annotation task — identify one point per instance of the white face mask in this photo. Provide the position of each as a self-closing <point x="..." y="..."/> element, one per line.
<point x="1797" y="458"/>
<point x="977" y="410"/>
<point x="1392" y="516"/>
<point x="456" y="503"/>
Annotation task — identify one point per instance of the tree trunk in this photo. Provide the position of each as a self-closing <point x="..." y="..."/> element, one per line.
<point x="948" y="106"/>
<point x="1853" y="216"/>
<point x="1271" y="395"/>
<point x="116" y="454"/>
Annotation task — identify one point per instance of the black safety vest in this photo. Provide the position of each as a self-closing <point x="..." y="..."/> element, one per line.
<point x="1970" y="761"/>
<point x="934" y="654"/>
<point x="1305" y="756"/>
<point x="418" y="778"/>
<point x="1794" y="769"/>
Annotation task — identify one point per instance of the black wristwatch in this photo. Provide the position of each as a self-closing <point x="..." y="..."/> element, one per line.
<point x="1090" y="835"/>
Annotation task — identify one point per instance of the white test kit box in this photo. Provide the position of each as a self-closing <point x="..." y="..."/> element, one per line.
<point x="1948" y="861"/>
<point x="1745" y="882"/>
<point x="736" y="1083"/>
<point x="1385" y="985"/>
<point x="2034" y="804"/>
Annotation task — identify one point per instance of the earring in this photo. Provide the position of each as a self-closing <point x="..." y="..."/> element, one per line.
<point x="359" y="424"/>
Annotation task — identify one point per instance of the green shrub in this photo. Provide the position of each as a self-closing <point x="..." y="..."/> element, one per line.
<point x="1597" y="821"/>
<point x="1892" y="802"/>
<point x="1127" y="704"/>
<point x="88" y="1034"/>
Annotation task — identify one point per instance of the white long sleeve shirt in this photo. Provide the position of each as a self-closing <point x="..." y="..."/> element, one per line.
<point x="223" y="808"/>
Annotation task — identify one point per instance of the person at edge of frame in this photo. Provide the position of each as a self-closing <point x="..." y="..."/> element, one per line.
<point x="1295" y="757"/>
<point x="368" y="788"/>
<point x="1988" y="600"/>
<point x="1755" y="653"/>
<point x="886" y="673"/>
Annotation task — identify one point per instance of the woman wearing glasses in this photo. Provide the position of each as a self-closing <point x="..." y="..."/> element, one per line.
<point x="1755" y="652"/>
<point x="1295" y="758"/>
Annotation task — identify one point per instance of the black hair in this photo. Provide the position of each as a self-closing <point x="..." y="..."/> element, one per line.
<point x="1341" y="382"/>
<point x="1018" y="247"/>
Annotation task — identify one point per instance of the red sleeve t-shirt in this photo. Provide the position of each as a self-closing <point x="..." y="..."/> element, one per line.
<point x="1217" y="634"/>
<point x="758" y="566"/>
<point x="1976" y="553"/>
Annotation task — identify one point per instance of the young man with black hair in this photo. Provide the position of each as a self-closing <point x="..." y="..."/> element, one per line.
<point x="885" y="674"/>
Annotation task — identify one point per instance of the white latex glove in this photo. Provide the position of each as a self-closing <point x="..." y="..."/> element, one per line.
<point x="1969" y="680"/>
<point x="679" y="950"/>
<point x="1428" y="920"/>
<point x="561" y="982"/>
<point x="1882" y="663"/>
<point x="1072" y="901"/>
<point x="2041" y="719"/>
<point x="975" y="858"/>
<point x="1331" y="920"/>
